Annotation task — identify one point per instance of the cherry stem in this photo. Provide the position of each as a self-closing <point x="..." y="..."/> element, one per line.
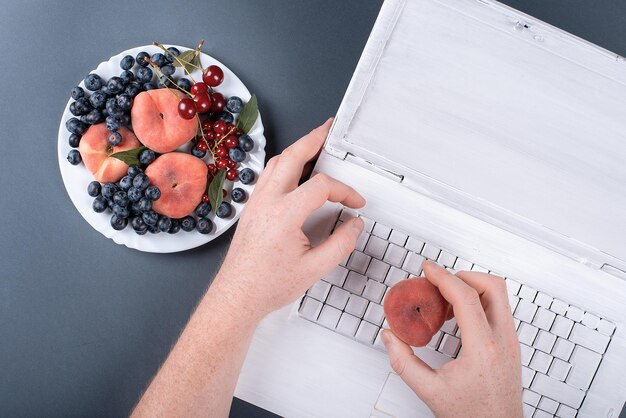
<point x="203" y="138"/>
<point x="181" y="62"/>
<point x="158" y="71"/>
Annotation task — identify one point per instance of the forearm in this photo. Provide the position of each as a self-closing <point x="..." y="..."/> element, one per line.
<point x="199" y="376"/>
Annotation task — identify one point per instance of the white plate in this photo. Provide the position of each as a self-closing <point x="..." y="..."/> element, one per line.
<point x="76" y="178"/>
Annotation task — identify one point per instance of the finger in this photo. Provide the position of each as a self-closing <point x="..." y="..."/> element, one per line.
<point x="494" y="298"/>
<point x="268" y="173"/>
<point x="336" y="248"/>
<point x="465" y="301"/>
<point x="320" y="188"/>
<point x="293" y="159"/>
<point x="415" y="373"/>
<point x="306" y="172"/>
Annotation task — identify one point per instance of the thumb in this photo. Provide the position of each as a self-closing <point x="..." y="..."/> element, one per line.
<point x="337" y="247"/>
<point x="413" y="371"/>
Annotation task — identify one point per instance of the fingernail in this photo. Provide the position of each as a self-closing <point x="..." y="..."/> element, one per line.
<point x="357" y="224"/>
<point x="386" y="338"/>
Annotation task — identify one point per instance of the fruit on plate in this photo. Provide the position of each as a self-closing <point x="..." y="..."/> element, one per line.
<point x="182" y="180"/>
<point x="415" y="310"/>
<point x="156" y="121"/>
<point x="95" y="152"/>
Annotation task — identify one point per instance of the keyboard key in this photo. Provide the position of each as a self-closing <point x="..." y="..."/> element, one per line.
<point x="346" y="214"/>
<point x="319" y="291"/>
<point x="563" y="349"/>
<point x="527" y="333"/>
<point x="605" y="327"/>
<point x="544" y="318"/>
<point x="446" y="259"/>
<point x="337" y="276"/>
<point x="565" y="411"/>
<point x="413" y="263"/>
<point x="462" y="265"/>
<point x="377" y="270"/>
<point x="590" y="320"/>
<point x="548" y="405"/>
<point x="558" y="307"/>
<point x="376" y="247"/>
<point x="378" y="343"/>
<point x="589" y="338"/>
<point x="562" y="326"/>
<point x="544" y="341"/>
<point x="369" y="224"/>
<point x="559" y="391"/>
<point x="512" y="286"/>
<point x="356" y="305"/>
<point x="398" y="238"/>
<point x="348" y="324"/>
<point x="450" y="345"/>
<point x="310" y="308"/>
<point x="559" y="369"/>
<point x="359" y="262"/>
<point x="528" y="375"/>
<point x="414" y="245"/>
<point x="527" y="293"/>
<point x="528" y="410"/>
<point x="430" y="252"/>
<point x="449" y="326"/>
<point x="525" y="310"/>
<point x="337" y="298"/>
<point x="479" y="269"/>
<point x="394" y="255"/>
<point x="374" y="314"/>
<point x="355" y="283"/>
<point x="361" y="242"/>
<point x="584" y="365"/>
<point x="574" y="313"/>
<point x="542" y="414"/>
<point x="374" y="291"/>
<point x="366" y="332"/>
<point x="540" y="362"/>
<point x="329" y="317"/>
<point x="381" y="230"/>
<point x="517" y="323"/>
<point x="513" y="301"/>
<point x="543" y="300"/>
<point x="434" y="342"/>
<point x="526" y="353"/>
<point x="529" y="397"/>
<point x="395" y="275"/>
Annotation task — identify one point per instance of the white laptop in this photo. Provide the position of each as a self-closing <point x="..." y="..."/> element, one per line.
<point x="485" y="140"/>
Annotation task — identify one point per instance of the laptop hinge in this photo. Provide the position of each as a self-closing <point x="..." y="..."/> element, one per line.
<point x="362" y="162"/>
<point x="614" y="271"/>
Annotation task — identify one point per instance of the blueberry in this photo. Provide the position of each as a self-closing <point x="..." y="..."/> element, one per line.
<point x="153" y="193"/>
<point x="99" y="204"/>
<point x="195" y="151"/>
<point x="127" y="77"/>
<point x="150" y="218"/>
<point x="188" y="223"/>
<point x="93" y="117"/>
<point x="165" y="223"/>
<point x="153" y="229"/>
<point x="120" y="211"/>
<point x="126" y="182"/>
<point x="246" y="176"/>
<point x="144" y="204"/>
<point x="184" y="84"/>
<point x="73" y="109"/>
<point x="168" y="69"/>
<point x="75" y="126"/>
<point x="127" y="62"/>
<point x="142" y="59"/>
<point x="94" y="188"/>
<point x="114" y="138"/>
<point x="98" y="99"/>
<point x="118" y="223"/>
<point x="132" y="89"/>
<point x="204" y="225"/>
<point x="124" y="102"/>
<point x="147" y="156"/>
<point x="237" y="154"/>
<point x="246" y="143"/>
<point x="234" y="104"/>
<point x="121" y="198"/>
<point x="74" y="140"/>
<point x="149" y="86"/>
<point x="172" y="51"/>
<point x="164" y="82"/>
<point x="77" y="93"/>
<point x="126" y="119"/>
<point x="74" y="157"/>
<point x="138" y="224"/>
<point x="141" y="181"/>
<point x="225" y="210"/>
<point x="159" y="59"/>
<point x="108" y="190"/>
<point x="134" y="209"/>
<point x="134" y="194"/>
<point x="203" y="209"/>
<point x="238" y="195"/>
<point x="115" y="85"/>
<point x="113" y="108"/>
<point x="175" y="227"/>
<point x="143" y="75"/>
<point x="112" y="124"/>
<point x="82" y="106"/>
<point x="226" y="116"/>
<point x="93" y="82"/>
<point x="133" y="170"/>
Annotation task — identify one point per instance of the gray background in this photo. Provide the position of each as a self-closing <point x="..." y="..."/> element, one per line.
<point x="85" y="323"/>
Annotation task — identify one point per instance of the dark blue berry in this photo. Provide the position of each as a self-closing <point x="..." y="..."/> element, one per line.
<point x="112" y="124"/>
<point x="144" y="204"/>
<point x="124" y="102"/>
<point x="141" y="181"/>
<point x="172" y="51"/>
<point x="150" y="218"/>
<point x="164" y="82"/>
<point x="134" y="194"/>
<point x="142" y="59"/>
<point x="93" y="117"/>
<point x="165" y="223"/>
<point x="237" y="154"/>
<point x="147" y="156"/>
<point x="224" y="210"/>
<point x="82" y="106"/>
<point x="143" y="75"/>
<point x="126" y="119"/>
<point x="226" y="116"/>
<point x="127" y="77"/>
<point x="99" y="204"/>
<point x="168" y="69"/>
<point x="108" y="190"/>
<point x="238" y="195"/>
<point x="114" y="138"/>
<point x="234" y="104"/>
<point x="127" y="62"/>
<point x="153" y="193"/>
<point x="203" y="209"/>
<point x="98" y="99"/>
<point x="204" y="225"/>
<point x="75" y="126"/>
<point x="118" y="223"/>
<point x="159" y="59"/>
<point x="246" y="176"/>
<point x="77" y="93"/>
<point x="121" y="198"/>
<point x="198" y="153"/>
<point x="126" y="183"/>
<point x="188" y="223"/>
<point x="94" y="188"/>
<point x="133" y="170"/>
<point x="246" y="143"/>
<point x="132" y="89"/>
<point x="74" y="157"/>
<point x="184" y="84"/>
<point x="113" y="108"/>
<point x="137" y="223"/>
<point x="115" y="85"/>
<point x="121" y="211"/>
<point x="149" y="86"/>
<point x="93" y="82"/>
<point x="153" y="229"/>
<point x="174" y="227"/>
<point x="74" y="140"/>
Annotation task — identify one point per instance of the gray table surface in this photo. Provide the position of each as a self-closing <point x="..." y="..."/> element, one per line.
<point x="85" y="323"/>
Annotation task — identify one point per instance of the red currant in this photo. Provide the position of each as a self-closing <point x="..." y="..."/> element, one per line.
<point x="201" y="146"/>
<point x="203" y="102"/>
<point x="230" y="128"/>
<point x="212" y="169"/>
<point x="207" y="125"/>
<point x="198" y="88"/>
<point x="213" y="76"/>
<point x="220" y="163"/>
<point x="238" y="132"/>
<point x="231" y="164"/>
<point x="231" y="174"/>
<point x="187" y="108"/>
<point x="218" y="102"/>
<point x="209" y="135"/>
<point x="218" y="136"/>
<point x="219" y="126"/>
<point x="205" y="199"/>
<point x="221" y="151"/>
<point x="231" y="142"/>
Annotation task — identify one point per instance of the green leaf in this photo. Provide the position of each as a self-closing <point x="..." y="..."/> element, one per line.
<point x="248" y="115"/>
<point x="190" y="60"/>
<point x="130" y="157"/>
<point x="215" y="190"/>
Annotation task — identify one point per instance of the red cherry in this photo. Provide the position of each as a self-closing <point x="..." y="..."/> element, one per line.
<point x="212" y="169"/>
<point x="207" y="125"/>
<point x="231" y="164"/>
<point x="213" y="76"/>
<point x="231" y="174"/>
<point x="221" y="151"/>
<point x="231" y="142"/>
<point x="218" y="102"/>
<point x="203" y="102"/>
<point x="187" y="108"/>
<point x="201" y="146"/>
<point x="205" y="199"/>
<point x="198" y="88"/>
<point x="220" y="163"/>
<point x="219" y="126"/>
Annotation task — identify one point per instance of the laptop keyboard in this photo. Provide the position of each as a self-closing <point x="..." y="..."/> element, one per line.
<point x="561" y="345"/>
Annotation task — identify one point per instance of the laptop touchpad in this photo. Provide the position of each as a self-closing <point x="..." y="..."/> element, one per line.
<point x="398" y="400"/>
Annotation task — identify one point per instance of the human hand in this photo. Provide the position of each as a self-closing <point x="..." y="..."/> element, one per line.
<point x="485" y="379"/>
<point x="270" y="262"/>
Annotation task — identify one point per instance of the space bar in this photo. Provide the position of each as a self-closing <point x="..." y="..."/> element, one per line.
<point x="433" y="358"/>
